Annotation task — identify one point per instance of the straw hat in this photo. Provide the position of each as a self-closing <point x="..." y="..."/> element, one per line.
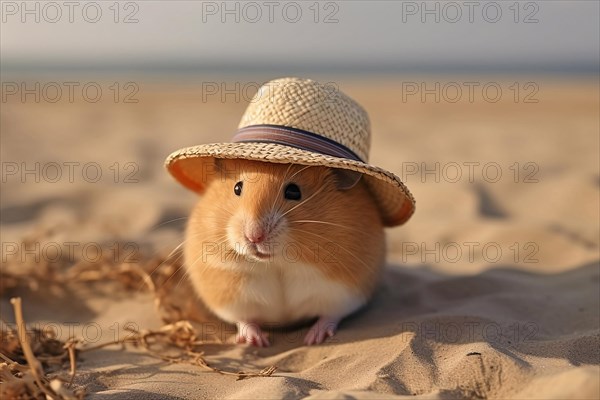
<point x="301" y="121"/>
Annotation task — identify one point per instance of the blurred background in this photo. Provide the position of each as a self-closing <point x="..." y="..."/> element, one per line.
<point x="95" y="94"/>
<point x="197" y="37"/>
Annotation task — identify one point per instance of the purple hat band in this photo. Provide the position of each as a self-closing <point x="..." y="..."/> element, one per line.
<point x="294" y="137"/>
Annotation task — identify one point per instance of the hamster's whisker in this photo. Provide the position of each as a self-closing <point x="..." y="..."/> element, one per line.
<point x="166" y="222"/>
<point x="299" y="171"/>
<point x="218" y="244"/>
<point x="222" y="209"/>
<point x="214" y="217"/>
<point x="183" y="276"/>
<point x="326" y="223"/>
<point x="205" y="232"/>
<point x="194" y="236"/>
<point x="217" y="240"/>
<point x="168" y="257"/>
<point x="172" y="275"/>
<point x="161" y="264"/>
<point x="337" y="244"/>
<point x="305" y="247"/>
<point x="351" y="273"/>
<point x="303" y="201"/>
<point x="229" y="251"/>
<point x="218" y="217"/>
<point x="287" y="171"/>
<point x="283" y="182"/>
<point x="157" y="251"/>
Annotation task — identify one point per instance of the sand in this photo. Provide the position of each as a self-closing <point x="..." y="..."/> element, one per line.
<point x="491" y="290"/>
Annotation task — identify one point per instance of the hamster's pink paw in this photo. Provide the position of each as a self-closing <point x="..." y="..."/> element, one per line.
<point x="322" y="329"/>
<point x="249" y="332"/>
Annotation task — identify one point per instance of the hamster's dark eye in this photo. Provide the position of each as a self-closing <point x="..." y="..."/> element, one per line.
<point x="237" y="189"/>
<point x="292" y="192"/>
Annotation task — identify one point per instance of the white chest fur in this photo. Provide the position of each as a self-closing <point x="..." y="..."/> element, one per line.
<point x="283" y="294"/>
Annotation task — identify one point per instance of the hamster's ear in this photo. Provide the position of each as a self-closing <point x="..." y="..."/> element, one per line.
<point x="212" y="169"/>
<point x="345" y="179"/>
<point x="218" y="164"/>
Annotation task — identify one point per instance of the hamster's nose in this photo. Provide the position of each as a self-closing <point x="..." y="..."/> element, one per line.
<point x="255" y="235"/>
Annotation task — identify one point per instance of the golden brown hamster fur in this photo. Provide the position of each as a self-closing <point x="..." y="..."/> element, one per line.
<point x="280" y="243"/>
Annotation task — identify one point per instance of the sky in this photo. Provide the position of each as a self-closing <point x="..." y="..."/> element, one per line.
<point x="325" y="34"/>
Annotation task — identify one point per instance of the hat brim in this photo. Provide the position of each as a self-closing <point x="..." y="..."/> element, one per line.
<point x="393" y="198"/>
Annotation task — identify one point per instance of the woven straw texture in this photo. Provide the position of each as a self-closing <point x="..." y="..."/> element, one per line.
<point x="313" y="107"/>
<point x="310" y="106"/>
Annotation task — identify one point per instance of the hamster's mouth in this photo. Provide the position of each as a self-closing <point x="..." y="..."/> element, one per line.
<point x="254" y="252"/>
<point x="262" y="256"/>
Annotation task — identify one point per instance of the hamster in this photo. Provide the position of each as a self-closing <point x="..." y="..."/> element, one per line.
<point x="277" y="244"/>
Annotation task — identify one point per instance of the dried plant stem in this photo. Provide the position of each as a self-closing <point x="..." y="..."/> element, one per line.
<point x="34" y="364"/>
<point x="8" y="360"/>
<point x="197" y="359"/>
<point x="70" y="346"/>
<point x="103" y="345"/>
<point x="14" y="363"/>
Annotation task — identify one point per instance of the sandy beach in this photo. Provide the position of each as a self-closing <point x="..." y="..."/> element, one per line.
<point x="491" y="290"/>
